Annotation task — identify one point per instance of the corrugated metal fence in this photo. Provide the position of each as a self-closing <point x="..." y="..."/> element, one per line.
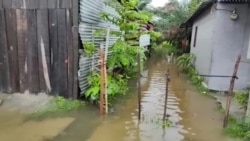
<point x="89" y="22"/>
<point x="39" y="46"/>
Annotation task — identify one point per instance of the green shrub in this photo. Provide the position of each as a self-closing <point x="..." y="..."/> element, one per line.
<point x="58" y="104"/>
<point x="185" y="62"/>
<point x="238" y="128"/>
<point x="117" y="85"/>
<point x="242" y="97"/>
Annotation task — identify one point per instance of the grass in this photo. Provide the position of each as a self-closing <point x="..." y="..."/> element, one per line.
<point x="57" y="105"/>
<point x="238" y="128"/>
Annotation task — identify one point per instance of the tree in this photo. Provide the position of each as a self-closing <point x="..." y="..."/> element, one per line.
<point x="142" y="4"/>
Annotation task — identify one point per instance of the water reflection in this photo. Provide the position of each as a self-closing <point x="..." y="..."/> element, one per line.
<point x="194" y="117"/>
<point x="190" y="113"/>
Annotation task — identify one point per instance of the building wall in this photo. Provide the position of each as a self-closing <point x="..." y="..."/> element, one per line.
<point x="204" y="42"/>
<point x="230" y="39"/>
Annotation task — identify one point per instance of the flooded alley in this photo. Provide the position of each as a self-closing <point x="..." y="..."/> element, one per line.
<point x="193" y="117"/>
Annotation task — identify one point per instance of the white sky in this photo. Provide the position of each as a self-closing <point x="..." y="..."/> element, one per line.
<point x="158" y="3"/>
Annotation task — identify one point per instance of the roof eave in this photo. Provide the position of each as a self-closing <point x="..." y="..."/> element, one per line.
<point x="198" y="12"/>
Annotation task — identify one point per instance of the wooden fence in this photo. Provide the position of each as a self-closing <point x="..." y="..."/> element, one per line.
<point x="39" y="46"/>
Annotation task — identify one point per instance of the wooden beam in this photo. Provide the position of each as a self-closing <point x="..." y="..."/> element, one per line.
<point x="32" y="52"/>
<point x="21" y="16"/>
<point x="54" y="61"/>
<point x="75" y="14"/>
<point x="44" y="50"/>
<point x="70" y="52"/>
<point x="4" y="59"/>
<point x="11" y="28"/>
<point x="62" y="53"/>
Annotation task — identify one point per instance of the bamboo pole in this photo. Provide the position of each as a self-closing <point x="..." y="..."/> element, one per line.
<point x="166" y="97"/>
<point x="102" y="83"/>
<point x="105" y="70"/>
<point x="230" y="91"/>
<point x="139" y="84"/>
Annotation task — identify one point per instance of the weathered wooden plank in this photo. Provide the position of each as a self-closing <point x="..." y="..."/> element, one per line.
<point x="21" y="16"/>
<point x="32" y="4"/>
<point x="54" y="62"/>
<point x="53" y="4"/>
<point x="11" y="29"/>
<point x="43" y="50"/>
<point x="62" y="52"/>
<point x="1" y="4"/>
<point x="75" y="14"/>
<point x="65" y="4"/>
<point x="7" y="4"/>
<point x="43" y="4"/>
<point x="32" y="63"/>
<point x="16" y="4"/>
<point x="4" y="62"/>
<point x="70" y="52"/>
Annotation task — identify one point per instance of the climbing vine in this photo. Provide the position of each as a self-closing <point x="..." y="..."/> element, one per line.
<point x="121" y="63"/>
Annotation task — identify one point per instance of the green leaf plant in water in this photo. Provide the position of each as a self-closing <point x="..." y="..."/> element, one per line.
<point x="121" y="63"/>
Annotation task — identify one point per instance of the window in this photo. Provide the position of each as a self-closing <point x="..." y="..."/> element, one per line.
<point x="195" y="36"/>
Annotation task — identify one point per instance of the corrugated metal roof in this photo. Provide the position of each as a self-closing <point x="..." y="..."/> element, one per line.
<point x="89" y="22"/>
<point x="205" y="5"/>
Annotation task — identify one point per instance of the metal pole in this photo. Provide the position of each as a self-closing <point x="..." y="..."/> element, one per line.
<point x="166" y="96"/>
<point x="102" y="85"/>
<point x="230" y="91"/>
<point x="105" y="70"/>
<point x="139" y="84"/>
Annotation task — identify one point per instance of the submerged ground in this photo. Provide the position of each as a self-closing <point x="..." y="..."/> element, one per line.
<point x="194" y="117"/>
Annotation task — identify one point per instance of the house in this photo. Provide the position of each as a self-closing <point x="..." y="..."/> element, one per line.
<point x="220" y="32"/>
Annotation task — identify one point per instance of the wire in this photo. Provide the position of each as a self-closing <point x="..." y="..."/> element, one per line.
<point x="218" y="76"/>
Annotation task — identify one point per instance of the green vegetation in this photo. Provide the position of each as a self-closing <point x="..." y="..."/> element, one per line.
<point x="117" y="85"/>
<point x="122" y="61"/>
<point x="238" y="128"/>
<point x="184" y="62"/>
<point x="89" y="48"/>
<point x="165" y="48"/>
<point x="242" y="97"/>
<point x="58" y="104"/>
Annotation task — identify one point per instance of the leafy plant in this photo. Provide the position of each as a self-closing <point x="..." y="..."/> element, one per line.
<point x="94" y="86"/>
<point x="238" y="128"/>
<point x="123" y="52"/>
<point x="185" y="61"/>
<point x="116" y="84"/>
<point x="89" y="48"/>
<point x="242" y="97"/>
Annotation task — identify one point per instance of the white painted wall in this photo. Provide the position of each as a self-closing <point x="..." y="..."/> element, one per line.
<point x="204" y="42"/>
<point x="230" y="39"/>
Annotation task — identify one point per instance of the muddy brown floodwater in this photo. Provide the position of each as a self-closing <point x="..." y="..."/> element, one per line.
<point x="194" y="117"/>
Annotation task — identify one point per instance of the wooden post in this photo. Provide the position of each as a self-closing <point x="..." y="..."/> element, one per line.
<point x="248" y="110"/>
<point x="166" y="97"/>
<point x="139" y="84"/>
<point x="230" y="91"/>
<point x="105" y="70"/>
<point x="102" y="83"/>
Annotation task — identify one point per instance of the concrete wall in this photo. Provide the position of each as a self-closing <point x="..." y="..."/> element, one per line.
<point x="204" y="42"/>
<point x="230" y="39"/>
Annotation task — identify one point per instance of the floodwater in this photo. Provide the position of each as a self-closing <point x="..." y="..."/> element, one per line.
<point x="194" y="117"/>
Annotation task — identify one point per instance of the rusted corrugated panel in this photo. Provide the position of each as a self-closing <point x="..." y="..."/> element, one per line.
<point x="89" y="22"/>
